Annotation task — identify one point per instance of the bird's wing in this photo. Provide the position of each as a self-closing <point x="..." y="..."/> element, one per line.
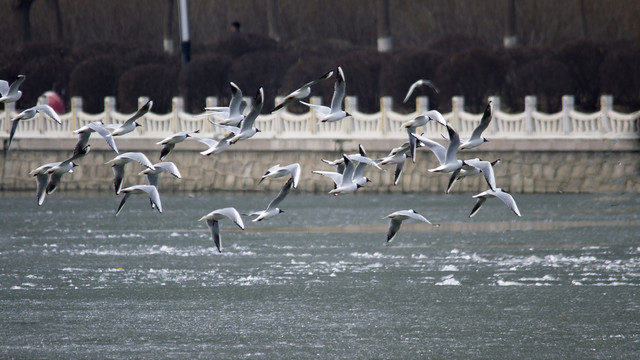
<point x="394" y="226"/>
<point x="507" y="199"/>
<point x="324" y="110"/>
<point x="140" y="158"/>
<point x="477" y="206"/>
<point x="452" y="180"/>
<point x="214" y="227"/>
<point x="236" y="100"/>
<point x="106" y="135"/>
<point x="166" y="149"/>
<point x="4" y="88"/>
<point x="349" y="170"/>
<point x="323" y="77"/>
<point x="295" y="171"/>
<point x="336" y="177"/>
<point x="233" y="215"/>
<point x="170" y="167"/>
<point x="486" y="169"/>
<point x="48" y="110"/>
<point x="396" y="176"/>
<point x="54" y="180"/>
<point x="118" y="175"/>
<point x="454" y="143"/>
<point x="14" y="127"/>
<point x="416" y="216"/>
<point x="438" y="150"/>
<point x="256" y="108"/>
<point x="208" y="142"/>
<point x="124" y="200"/>
<point x="13" y="88"/>
<point x="338" y="91"/>
<point x="365" y="160"/>
<point x="436" y="116"/>
<point x="284" y="103"/>
<point x="143" y="110"/>
<point x="281" y="195"/>
<point x="233" y="129"/>
<point x="154" y="195"/>
<point x="484" y="122"/>
<point x="420" y="82"/>
<point x="41" y="181"/>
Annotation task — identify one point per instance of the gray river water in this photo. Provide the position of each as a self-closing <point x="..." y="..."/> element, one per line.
<point x="320" y="281"/>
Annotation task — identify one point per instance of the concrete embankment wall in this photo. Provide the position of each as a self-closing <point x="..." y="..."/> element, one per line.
<point x="527" y="166"/>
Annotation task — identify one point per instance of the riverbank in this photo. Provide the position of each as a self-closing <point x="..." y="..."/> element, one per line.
<point x="565" y="165"/>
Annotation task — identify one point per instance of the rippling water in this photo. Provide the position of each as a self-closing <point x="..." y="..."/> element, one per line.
<point x="319" y="280"/>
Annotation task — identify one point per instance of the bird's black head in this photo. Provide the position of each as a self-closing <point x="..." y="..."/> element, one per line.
<point x="347" y="114"/>
<point x="280" y="211"/>
<point x="137" y="124"/>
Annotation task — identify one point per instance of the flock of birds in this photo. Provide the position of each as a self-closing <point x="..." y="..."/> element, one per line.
<point x="348" y="176"/>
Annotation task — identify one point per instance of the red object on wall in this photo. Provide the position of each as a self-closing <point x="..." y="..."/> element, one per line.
<point x="55" y="101"/>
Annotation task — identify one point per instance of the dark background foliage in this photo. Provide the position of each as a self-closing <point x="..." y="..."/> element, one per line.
<point x="115" y="49"/>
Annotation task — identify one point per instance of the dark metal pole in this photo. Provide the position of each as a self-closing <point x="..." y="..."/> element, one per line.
<point x="184" y="31"/>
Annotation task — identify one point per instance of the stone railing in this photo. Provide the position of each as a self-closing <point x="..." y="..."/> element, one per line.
<point x="531" y="123"/>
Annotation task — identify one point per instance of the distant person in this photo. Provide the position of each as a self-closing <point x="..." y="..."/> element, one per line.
<point x="235" y="27"/>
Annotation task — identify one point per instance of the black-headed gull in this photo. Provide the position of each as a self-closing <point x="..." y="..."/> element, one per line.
<point x="474" y="167"/>
<point x="231" y="115"/>
<point x="277" y="171"/>
<point x="398" y="217"/>
<point x="118" y="163"/>
<point x="446" y="156"/>
<point x="30" y="113"/>
<point x="476" y="138"/>
<point x="170" y="142"/>
<point x="150" y="190"/>
<point x="413" y="124"/>
<point x="415" y="85"/>
<point x="398" y="156"/>
<point x="152" y="174"/>
<point x="215" y="146"/>
<point x="346" y="185"/>
<point x="55" y="173"/>
<point x="272" y="209"/>
<point x="10" y="93"/>
<point x="302" y="92"/>
<point x="215" y="216"/>
<point x="131" y="123"/>
<point x="503" y="195"/>
<point x="335" y="112"/>
<point x="246" y="129"/>
<point x="42" y="174"/>
<point x="85" y="132"/>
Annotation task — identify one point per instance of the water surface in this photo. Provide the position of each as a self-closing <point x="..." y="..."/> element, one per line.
<point x="320" y="280"/>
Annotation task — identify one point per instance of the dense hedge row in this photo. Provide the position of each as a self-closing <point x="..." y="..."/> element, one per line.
<point x="458" y="65"/>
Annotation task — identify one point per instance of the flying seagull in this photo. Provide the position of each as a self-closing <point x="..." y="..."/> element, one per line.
<point x="476" y="138"/>
<point x="503" y="195"/>
<point x="273" y="209"/>
<point x="398" y="217"/>
<point x="10" y="93"/>
<point x="277" y="171"/>
<point x="118" y="163"/>
<point x="131" y="123"/>
<point x="170" y="142"/>
<point x="302" y="92"/>
<point x="421" y="82"/>
<point x="85" y="132"/>
<point x="215" y="216"/>
<point x="150" y="190"/>
<point x="335" y="112"/>
<point x="30" y="113"/>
